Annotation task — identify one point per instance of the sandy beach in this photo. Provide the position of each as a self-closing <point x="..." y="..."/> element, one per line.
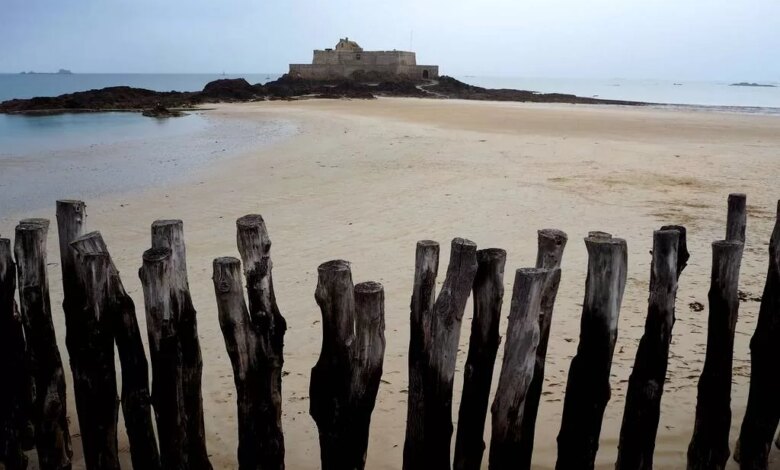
<point x="364" y="180"/>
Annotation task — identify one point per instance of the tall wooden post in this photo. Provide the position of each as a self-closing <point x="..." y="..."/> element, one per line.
<point x="136" y="401"/>
<point x="709" y="447"/>
<point x="588" y="389"/>
<point x="268" y="327"/>
<point x="170" y="234"/>
<point x="426" y="266"/>
<point x="52" y="438"/>
<point x="331" y="377"/>
<point x="15" y="394"/>
<point x="483" y="345"/>
<point x="165" y="354"/>
<point x="517" y="370"/>
<point x="345" y="380"/>
<point x="368" y="352"/>
<point x="551" y="243"/>
<point x="646" y="384"/>
<point x="92" y="358"/>
<point x="441" y="333"/>
<point x="71" y="221"/>
<point x="763" y="408"/>
<point x="736" y="220"/>
<point x="254" y="338"/>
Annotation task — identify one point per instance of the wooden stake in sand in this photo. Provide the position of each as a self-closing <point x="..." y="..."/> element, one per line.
<point x="89" y="338"/>
<point x="483" y="346"/>
<point x="16" y="394"/>
<point x="522" y="339"/>
<point x="428" y="443"/>
<point x="736" y="219"/>
<point x="92" y="361"/>
<point x="136" y="401"/>
<point x="763" y="409"/>
<point x="551" y="243"/>
<point x="165" y="353"/>
<point x="646" y="384"/>
<point x="269" y="327"/>
<point x="254" y="338"/>
<point x="709" y="447"/>
<point x="587" y="388"/>
<point x="426" y="266"/>
<point x="52" y="438"/>
<point x="345" y="380"/>
<point x="183" y="333"/>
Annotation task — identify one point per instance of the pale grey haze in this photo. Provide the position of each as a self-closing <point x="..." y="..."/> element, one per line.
<point x="673" y="39"/>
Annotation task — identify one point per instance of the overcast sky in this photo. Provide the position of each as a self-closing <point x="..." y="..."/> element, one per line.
<point x="673" y="39"/>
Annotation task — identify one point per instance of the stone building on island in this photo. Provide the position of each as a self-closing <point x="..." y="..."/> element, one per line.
<point x="349" y="60"/>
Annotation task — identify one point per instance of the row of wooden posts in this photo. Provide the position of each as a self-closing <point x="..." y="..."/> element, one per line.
<point x="344" y="382"/>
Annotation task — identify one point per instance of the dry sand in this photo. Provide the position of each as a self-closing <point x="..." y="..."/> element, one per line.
<point x="364" y="180"/>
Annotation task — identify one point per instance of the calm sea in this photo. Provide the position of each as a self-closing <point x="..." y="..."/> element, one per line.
<point x="695" y="93"/>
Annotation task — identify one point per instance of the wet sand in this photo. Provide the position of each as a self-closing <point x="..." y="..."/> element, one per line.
<point x="364" y="180"/>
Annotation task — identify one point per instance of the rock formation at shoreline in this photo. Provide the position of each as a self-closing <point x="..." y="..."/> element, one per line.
<point x="123" y="98"/>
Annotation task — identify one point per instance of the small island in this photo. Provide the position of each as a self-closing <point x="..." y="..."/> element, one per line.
<point x="765" y="85"/>
<point x="58" y="72"/>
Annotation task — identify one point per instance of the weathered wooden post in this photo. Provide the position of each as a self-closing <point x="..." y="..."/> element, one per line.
<point x="329" y="392"/>
<point x="254" y="338"/>
<point x="345" y="380"/>
<point x="92" y="352"/>
<point x="551" y="243"/>
<point x="763" y="409"/>
<point x="736" y="219"/>
<point x="441" y="332"/>
<point x="235" y="323"/>
<point x="269" y="327"/>
<point x="183" y="323"/>
<point x="52" y="438"/>
<point x="71" y="221"/>
<point x="136" y="401"/>
<point x="587" y="388"/>
<point x="426" y="266"/>
<point x="709" y="447"/>
<point x="646" y="384"/>
<point x="165" y="354"/>
<point x="517" y="370"/>
<point x="15" y="394"/>
<point x="368" y="352"/>
<point x="483" y="345"/>
<point x="90" y="339"/>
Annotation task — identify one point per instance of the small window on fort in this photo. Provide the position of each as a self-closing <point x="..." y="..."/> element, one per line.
<point x="357" y="56"/>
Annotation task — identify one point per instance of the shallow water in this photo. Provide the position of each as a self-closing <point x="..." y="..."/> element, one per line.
<point x="81" y="156"/>
<point x="24" y="135"/>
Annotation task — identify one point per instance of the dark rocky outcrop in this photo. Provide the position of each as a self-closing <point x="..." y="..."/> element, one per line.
<point x="227" y="89"/>
<point x="161" y="111"/>
<point x="452" y="88"/>
<point x="287" y="87"/>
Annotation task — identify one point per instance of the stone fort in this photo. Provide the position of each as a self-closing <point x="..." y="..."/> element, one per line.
<point x="349" y="60"/>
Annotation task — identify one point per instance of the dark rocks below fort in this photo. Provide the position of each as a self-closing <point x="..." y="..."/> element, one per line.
<point x="124" y="98"/>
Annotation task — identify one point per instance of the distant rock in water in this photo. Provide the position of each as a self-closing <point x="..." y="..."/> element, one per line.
<point x="766" y="85"/>
<point x="160" y="111"/>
